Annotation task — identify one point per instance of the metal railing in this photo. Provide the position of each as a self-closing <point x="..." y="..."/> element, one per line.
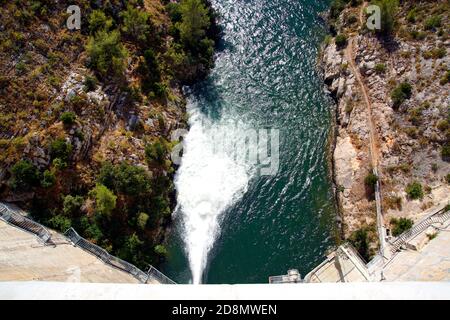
<point x="115" y="262"/>
<point x="159" y="276"/>
<point x="24" y="223"/>
<point x="439" y="217"/>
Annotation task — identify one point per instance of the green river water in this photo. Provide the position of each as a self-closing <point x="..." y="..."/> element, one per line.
<point x="231" y="225"/>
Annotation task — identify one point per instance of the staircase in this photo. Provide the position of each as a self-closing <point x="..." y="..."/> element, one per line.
<point x="439" y="217"/>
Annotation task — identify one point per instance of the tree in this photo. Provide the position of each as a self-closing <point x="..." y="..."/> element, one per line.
<point x="131" y="250"/>
<point x="98" y="21"/>
<point x="48" y="179"/>
<point x="24" y="175"/>
<point x="72" y="204"/>
<point x="106" y="52"/>
<point x="60" y="223"/>
<point x="135" y="23"/>
<point x="388" y="11"/>
<point x="360" y="240"/>
<point x="125" y="178"/>
<point x="194" y="21"/>
<point x="105" y="200"/>
<point x="61" y="149"/>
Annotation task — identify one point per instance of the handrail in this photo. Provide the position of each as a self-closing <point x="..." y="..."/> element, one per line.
<point x="162" y="278"/>
<point x="39" y="230"/>
<point x="439" y="216"/>
<point x="115" y="262"/>
<point x="24" y="223"/>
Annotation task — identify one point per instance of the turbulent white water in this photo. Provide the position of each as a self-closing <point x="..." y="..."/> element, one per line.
<point x="208" y="181"/>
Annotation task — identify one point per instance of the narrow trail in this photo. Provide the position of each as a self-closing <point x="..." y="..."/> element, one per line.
<point x="349" y="55"/>
<point x="373" y="142"/>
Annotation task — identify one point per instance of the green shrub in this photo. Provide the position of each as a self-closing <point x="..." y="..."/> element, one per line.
<point x="436" y="53"/>
<point x="125" y="178"/>
<point x="60" y="223"/>
<point x="400" y="225"/>
<point x="161" y="250"/>
<point x="90" y="83"/>
<point x="434" y="167"/>
<point x="380" y="68"/>
<point x="131" y="249"/>
<point x="360" y="239"/>
<point x="61" y="149"/>
<point x="371" y="180"/>
<point x="414" y="190"/>
<point x="401" y="93"/>
<point x="445" y="152"/>
<point x="48" y="179"/>
<point x="105" y="200"/>
<point x="336" y="8"/>
<point x="99" y="22"/>
<point x="132" y="180"/>
<point x="68" y="118"/>
<point x="443" y="125"/>
<point x="432" y="22"/>
<point x="59" y="164"/>
<point x="90" y="229"/>
<point x="72" y="204"/>
<point x="447" y="178"/>
<point x="445" y="79"/>
<point x="142" y="220"/>
<point x="150" y="71"/>
<point x="174" y="11"/>
<point x="135" y="23"/>
<point x="106" y="53"/>
<point x="156" y="151"/>
<point x="341" y="40"/>
<point x="412" y="15"/>
<point x="417" y="35"/>
<point x="24" y="175"/>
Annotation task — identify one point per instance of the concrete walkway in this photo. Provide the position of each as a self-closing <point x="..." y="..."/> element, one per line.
<point x="430" y="263"/>
<point x="23" y="257"/>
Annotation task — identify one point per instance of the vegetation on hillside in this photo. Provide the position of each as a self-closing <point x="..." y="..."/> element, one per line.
<point x="86" y="115"/>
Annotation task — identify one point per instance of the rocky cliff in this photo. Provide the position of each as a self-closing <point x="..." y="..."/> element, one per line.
<point x="392" y="111"/>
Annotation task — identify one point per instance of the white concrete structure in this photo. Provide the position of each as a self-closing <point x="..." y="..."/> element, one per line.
<point x="308" y="291"/>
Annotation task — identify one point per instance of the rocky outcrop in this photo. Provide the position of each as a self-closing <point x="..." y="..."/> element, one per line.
<point x="409" y="139"/>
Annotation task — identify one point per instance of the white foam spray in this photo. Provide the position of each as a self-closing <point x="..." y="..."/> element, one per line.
<point x="209" y="180"/>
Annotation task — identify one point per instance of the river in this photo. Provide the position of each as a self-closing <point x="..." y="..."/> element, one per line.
<point x="234" y="224"/>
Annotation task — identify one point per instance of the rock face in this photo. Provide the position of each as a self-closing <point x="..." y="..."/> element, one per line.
<point x="409" y="139"/>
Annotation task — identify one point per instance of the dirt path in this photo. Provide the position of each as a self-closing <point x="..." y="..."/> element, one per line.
<point x="373" y="144"/>
<point x="349" y="55"/>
